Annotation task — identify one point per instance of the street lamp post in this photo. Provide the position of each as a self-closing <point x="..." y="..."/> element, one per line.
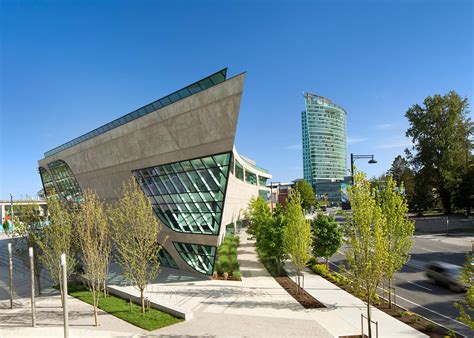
<point x="357" y="157"/>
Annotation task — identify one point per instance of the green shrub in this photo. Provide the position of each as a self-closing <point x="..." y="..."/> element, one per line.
<point x="451" y="334"/>
<point x="223" y="250"/>
<point x="234" y="264"/>
<point x="224" y="263"/>
<point x="218" y="269"/>
<point x="430" y="327"/>
<point x="233" y="251"/>
<point x="237" y="274"/>
<point x="312" y="261"/>
<point x="320" y="269"/>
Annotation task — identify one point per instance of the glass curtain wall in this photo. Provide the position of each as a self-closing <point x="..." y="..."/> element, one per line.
<point x="188" y="196"/>
<point x="199" y="257"/>
<point x="48" y="184"/>
<point x="66" y="183"/>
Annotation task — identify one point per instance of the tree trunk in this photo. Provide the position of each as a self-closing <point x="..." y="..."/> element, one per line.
<point x="94" y="303"/>
<point x="369" y="329"/>
<point x="38" y="282"/>
<point x="327" y="262"/>
<point x="142" y="300"/>
<point x="390" y="293"/>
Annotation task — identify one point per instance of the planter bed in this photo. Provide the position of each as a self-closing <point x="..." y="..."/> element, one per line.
<point x="417" y="322"/>
<point x="304" y="298"/>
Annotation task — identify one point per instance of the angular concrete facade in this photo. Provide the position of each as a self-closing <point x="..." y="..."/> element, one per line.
<point x="184" y="157"/>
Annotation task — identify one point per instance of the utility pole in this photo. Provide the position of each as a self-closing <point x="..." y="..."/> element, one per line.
<point x="65" y="312"/>
<point x="32" y="269"/>
<point x="10" y="271"/>
<point x="447" y="224"/>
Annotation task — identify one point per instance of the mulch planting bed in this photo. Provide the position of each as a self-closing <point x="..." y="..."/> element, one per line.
<point x="418" y="323"/>
<point x="228" y="278"/>
<point x="304" y="298"/>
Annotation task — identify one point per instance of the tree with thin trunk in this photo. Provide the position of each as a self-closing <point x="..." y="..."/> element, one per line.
<point x="367" y="247"/>
<point x="327" y="237"/>
<point x="57" y="239"/>
<point x="135" y="231"/>
<point x="297" y="235"/>
<point x="397" y="230"/>
<point x="466" y="306"/>
<point x="91" y="222"/>
<point x="28" y="229"/>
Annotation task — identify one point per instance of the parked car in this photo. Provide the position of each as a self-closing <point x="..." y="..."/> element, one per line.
<point x="448" y="275"/>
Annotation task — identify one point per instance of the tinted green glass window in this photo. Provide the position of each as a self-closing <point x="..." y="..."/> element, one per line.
<point x="265" y="194"/>
<point x="166" y="259"/>
<point x="199" y="257"/>
<point x="65" y="181"/>
<point x="187" y="196"/>
<point x="262" y="181"/>
<point x="48" y="184"/>
<point x="239" y="170"/>
<point x="250" y="177"/>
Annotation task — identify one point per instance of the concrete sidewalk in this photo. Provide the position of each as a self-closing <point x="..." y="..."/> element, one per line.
<point x="343" y="315"/>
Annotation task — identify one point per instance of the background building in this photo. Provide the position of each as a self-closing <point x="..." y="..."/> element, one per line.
<point x="324" y="145"/>
<point x="181" y="150"/>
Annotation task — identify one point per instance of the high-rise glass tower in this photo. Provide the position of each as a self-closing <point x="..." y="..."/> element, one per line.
<point x="324" y="140"/>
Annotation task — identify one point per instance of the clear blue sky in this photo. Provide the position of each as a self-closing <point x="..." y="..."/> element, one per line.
<point x="69" y="66"/>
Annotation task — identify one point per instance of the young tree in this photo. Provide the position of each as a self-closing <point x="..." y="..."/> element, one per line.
<point x="93" y="232"/>
<point x="441" y="131"/>
<point x="466" y="306"/>
<point x="367" y="247"/>
<point x="57" y="238"/>
<point x="29" y="228"/>
<point x="260" y="217"/>
<point x="307" y="195"/>
<point x="135" y="231"/>
<point x="397" y="229"/>
<point x="327" y="237"/>
<point x="297" y="234"/>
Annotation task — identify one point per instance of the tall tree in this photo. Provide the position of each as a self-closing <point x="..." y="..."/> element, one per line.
<point x="27" y="233"/>
<point x="93" y="232"/>
<point x="297" y="234"/>
<point x="367" y="247"/>
<point x="441" y="132"/>
<point x="57" y="238"/>
<point x="307" y="195"/>
<point x="135" y="231"/>
<point x="327" y="236"/>
<point x="403" y="175"/>
<point x="397" y="229"/>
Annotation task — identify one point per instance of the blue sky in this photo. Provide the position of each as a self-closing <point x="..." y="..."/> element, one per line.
<point x="70" y="66"/>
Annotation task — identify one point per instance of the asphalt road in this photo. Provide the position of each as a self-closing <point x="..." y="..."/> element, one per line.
<point x="416" y="293"/>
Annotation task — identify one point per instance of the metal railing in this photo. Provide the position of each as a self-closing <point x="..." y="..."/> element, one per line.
<point x="362" y="317"/>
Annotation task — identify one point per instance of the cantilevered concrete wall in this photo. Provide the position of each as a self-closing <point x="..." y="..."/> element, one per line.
<point x="199" y="125"/>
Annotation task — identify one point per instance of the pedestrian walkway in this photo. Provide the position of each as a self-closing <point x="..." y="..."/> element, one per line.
<point x="343" y="315"/>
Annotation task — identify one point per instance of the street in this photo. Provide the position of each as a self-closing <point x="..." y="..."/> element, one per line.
<point x="413" y="289"/>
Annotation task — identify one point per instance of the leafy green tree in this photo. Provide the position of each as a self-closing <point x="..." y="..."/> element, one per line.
<point x="367" y="247"/>
<point x="260" y="217"/>
<point x="58" y="238"/>
<point x="135" y="231"/>
<point x="403" y="175"/>
<point x="466" y="306"/>
<point x="397" y="229"/>
<point x="441" y="131"/>
<point x="92" y="227"/>
<point x="297" y="234"/>
<point x="267" y="229"/>
<point x="28" y="230"/>
<point x="327" y="236"/>
<point x="307" y="195"/>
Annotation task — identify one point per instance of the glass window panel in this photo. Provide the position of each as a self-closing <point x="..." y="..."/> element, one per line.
<point x="165" y="101"/>
<point x="186" y="166"/>
<point x="206" y="83"/>
<point x="194" y="88"/>
<point x="174" y="97"/>
<point x="176" y="167"/>
<point x="184" y="93"/>
<point x="197" y="164"/>
<point x="222" y="159"/>
<point x="208" y="162"/>
<point x="157" y="105"/>
<point x="239" y="171"/>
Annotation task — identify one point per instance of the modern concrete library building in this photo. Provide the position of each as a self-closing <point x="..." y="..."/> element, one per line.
<point x="181" y="150"/>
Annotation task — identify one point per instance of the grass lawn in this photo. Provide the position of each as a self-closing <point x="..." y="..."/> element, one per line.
<point x="151" y="320"/>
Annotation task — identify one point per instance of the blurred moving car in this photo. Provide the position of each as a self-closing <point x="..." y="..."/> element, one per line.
<point x="448" y="275"/>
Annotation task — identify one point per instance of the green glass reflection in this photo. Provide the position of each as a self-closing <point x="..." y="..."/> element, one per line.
<point x="199" y="257"/>
<point x="66" y="183"/>
<point x="188" y="196"/>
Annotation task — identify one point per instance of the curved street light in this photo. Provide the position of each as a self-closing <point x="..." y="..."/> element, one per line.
<point x="357" y="157"/>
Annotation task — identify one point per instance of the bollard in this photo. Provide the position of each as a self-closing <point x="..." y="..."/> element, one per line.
<point x="64" y="281"/>
<point x="10" y="271"/>
<point x="32" y="269"/>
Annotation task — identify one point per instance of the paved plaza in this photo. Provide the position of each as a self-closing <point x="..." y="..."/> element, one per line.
<point x="255" y="307"/>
